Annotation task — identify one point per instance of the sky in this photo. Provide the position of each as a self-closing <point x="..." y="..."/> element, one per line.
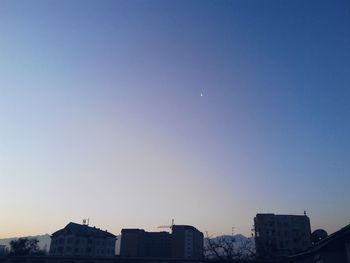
<point x="101" y="113"/>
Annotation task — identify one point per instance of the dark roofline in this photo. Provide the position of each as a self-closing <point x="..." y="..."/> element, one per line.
<point x="324" y="242"/>
<point x="272" y="214"/>
<point x="83" y="230"/>
<point x="187" y="227"/>
<point x="136" y="230"/>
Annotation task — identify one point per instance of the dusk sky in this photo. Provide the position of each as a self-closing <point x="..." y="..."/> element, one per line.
<point x="101" y="113"/>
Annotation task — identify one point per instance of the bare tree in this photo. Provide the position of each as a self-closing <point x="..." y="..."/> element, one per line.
<point x="227" y="249"/>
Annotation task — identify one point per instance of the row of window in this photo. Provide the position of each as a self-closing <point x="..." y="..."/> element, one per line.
<point x="88" y="250"/>
<point x="71" y="240"/>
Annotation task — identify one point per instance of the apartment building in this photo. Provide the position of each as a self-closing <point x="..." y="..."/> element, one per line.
<point x="82" y="240"/>
<point x="281" y="235"/>
<point x="184" y="242"/>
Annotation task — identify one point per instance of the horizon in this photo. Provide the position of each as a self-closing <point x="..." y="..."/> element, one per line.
<point x="157" y="229"/>
<point x="119" y="234"/>
<point x="132" y="113"/>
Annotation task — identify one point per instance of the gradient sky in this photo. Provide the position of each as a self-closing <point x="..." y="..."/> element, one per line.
<point x="101" y="113"/>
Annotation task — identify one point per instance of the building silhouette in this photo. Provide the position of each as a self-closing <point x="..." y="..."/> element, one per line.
<point x="329" y="249"/>
<point x="185" y="242"/>
<point x="139" y="243"/>
<point x="82" y="240"/>
<point x="281" y="235"/>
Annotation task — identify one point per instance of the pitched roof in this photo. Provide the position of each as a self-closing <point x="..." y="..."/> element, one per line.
<point x="345" y="231"/>
<point x="83" y="230"/>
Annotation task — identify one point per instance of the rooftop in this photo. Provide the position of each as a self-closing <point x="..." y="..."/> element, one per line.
<point x="83" y="230"/>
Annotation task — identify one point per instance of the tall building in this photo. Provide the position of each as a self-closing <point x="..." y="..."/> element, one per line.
<point x="132" y="243"/>
<point x="139" y="243"/>
<point x="281" y="235"/>
<point x="82" y="240"/>
<point x="184" y="242"/>
<point x="187" y="242"/>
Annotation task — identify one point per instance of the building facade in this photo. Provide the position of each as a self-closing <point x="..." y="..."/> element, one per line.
<point x="139" y="243"/>
<point x="83" y="241"/>
<point x="281" y="235"/>
<point x="185" y="242"/>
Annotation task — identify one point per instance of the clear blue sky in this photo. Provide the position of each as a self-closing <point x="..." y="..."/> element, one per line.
<point x="101" y="113"/>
